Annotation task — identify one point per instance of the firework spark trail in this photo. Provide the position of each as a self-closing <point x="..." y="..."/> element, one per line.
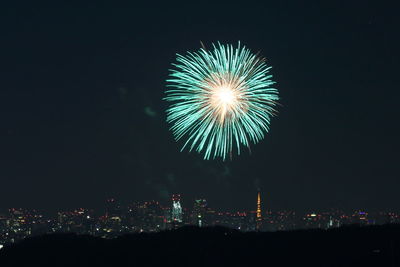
<point x="221" y="99"/>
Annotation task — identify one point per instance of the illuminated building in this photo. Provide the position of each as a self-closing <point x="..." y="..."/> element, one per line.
<point x="199" y="212"/>
<point x="281" y="220"/>
<point x="78" y="221"/>
<point x="113" y="208"/>
<point x="4" y="227"/>
<point x="176" y="212"/>
<point x="362" y="218"/>
<point x="4" y="222"/>
<point x="149" y="217"/>
<point x="258" y="214"/>
<point x="313" y="220"/>
<point x="113" y="219"/>
<point x="20" y="223"/>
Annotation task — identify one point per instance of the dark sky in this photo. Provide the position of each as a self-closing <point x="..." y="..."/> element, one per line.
<point x="82" y="116"/>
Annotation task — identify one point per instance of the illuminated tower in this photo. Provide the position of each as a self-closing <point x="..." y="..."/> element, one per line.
<point x="258" y="215"/>
<point x="176" y="216"/>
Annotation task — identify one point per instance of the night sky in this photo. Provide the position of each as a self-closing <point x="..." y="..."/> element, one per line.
<point x="82" y="116"/>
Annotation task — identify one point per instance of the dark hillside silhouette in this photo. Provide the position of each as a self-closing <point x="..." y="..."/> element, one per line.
<point x="377" y="246"/>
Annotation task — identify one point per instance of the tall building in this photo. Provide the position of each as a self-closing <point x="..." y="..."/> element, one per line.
<point x="176" y="211"/>
<point x="152" y="217"/>
<point x="258" y="213"/>
<point x="199" y="212"/>
<point x="113" y="208"/>
<point x="113" y="218"/>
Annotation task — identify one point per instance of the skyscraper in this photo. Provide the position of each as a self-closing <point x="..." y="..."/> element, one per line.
<point x="199" y="212"/>
<point x="113" y="208"/>
<point x="113" y="218"/>
<point x="258" y="214"/>
<point x="176" y="212"/>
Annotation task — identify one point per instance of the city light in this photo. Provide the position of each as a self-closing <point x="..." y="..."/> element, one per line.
<point x="153" y="216"/>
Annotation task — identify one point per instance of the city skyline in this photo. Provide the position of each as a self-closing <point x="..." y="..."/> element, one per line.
<point x="187" y="202"/>
<point x="259" y="206"/>
<point x="117" y="219"/>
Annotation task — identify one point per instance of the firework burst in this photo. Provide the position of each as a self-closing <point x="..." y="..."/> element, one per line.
<point x="221" y="99"/>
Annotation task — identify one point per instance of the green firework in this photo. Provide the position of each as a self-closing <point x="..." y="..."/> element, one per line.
<point x="221" y="99"/>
